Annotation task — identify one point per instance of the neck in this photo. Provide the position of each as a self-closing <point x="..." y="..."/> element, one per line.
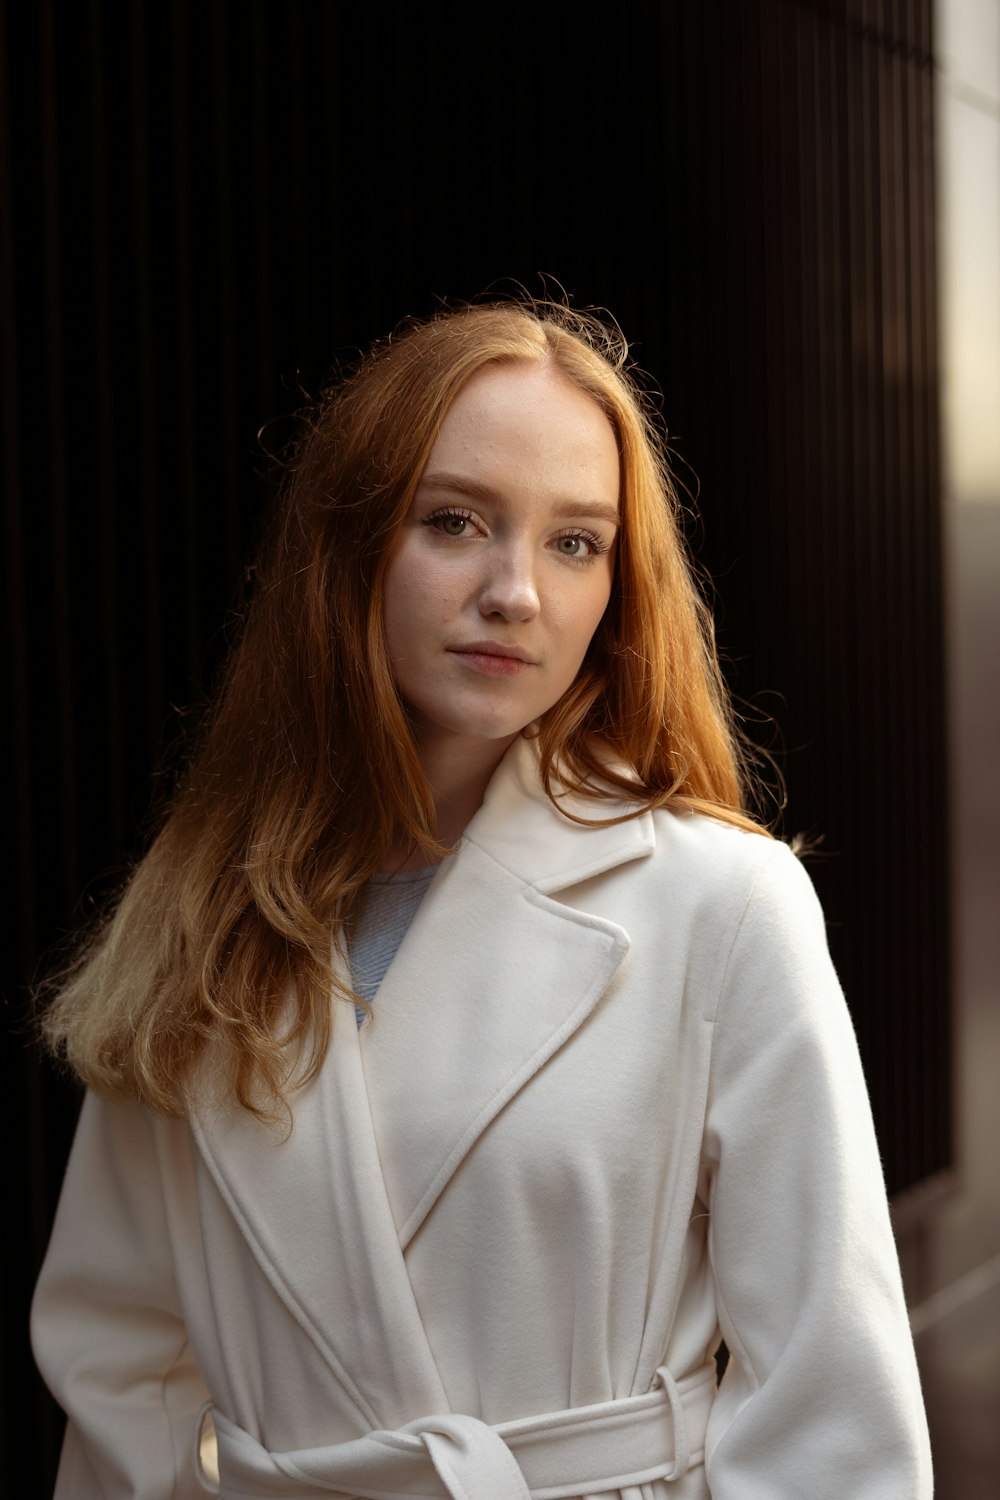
<point x="458" y="773"/>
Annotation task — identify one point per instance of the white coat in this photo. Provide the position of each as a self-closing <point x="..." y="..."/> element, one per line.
<point x="610" y="1105"/>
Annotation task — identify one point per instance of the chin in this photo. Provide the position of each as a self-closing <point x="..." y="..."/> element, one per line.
<point x="479" y="728"/>
<point x="488" y="731"/>
<point x="474" y="717"/>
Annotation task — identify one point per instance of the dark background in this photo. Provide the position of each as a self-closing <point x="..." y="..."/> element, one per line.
<point x="206" y="204"/>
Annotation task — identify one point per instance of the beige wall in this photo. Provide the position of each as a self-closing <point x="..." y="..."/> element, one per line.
<point x="968" y="117"/>
<point x="957" y="1258"/>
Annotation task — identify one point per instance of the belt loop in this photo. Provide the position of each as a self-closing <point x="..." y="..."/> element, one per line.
<point x="682" y="1448"/>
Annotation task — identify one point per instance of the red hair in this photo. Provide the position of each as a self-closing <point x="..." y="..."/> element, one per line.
<point x="307" y="773"/>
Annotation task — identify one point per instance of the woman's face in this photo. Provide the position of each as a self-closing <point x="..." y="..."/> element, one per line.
<point x="503" y="568"/>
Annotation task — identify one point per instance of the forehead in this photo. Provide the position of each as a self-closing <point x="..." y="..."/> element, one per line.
<point x="527" y="412"/>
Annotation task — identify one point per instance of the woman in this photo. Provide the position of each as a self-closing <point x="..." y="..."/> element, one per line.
<point x="605" y="1105"/>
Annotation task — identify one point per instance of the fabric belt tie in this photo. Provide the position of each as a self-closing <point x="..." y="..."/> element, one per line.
<point x="585" y="1450"/>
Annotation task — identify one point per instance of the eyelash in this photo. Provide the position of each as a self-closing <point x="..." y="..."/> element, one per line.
<point x="598" y="546"/>
<point x="446" y="514"/>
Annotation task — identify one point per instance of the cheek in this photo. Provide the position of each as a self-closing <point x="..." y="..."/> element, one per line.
<point x="393" y="594"/>
<point x="398" y="603"/>
<point x="585" y="614"/>
<point x="405" y="583"/>
<point x="420" y="593"/>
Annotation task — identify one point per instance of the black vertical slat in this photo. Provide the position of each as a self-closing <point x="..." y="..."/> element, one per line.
<point x="777" y="454"/>
<point x="17" y="665"/>
<point x="104" y="475"/>
<point x="895" y="767"/>
<point x="263" y="142"/>
<point x="143" y="481"/>
<point x="840" y="530"/>
<point x="334" y="300"/>
<point x="55" y="417"/>
<point x="911" y="562"/>
<point x="296" y="260"/>
<point x="189" y="492"/>
<point x="931" y="904"/>
<point x="876" y="1024"/>
<point x="16" y="668"/>
<point x="222" y="27"/>
<point x="877" y="1020"/>
<point x="914" y="507"/>
<point x="861" y="343"/>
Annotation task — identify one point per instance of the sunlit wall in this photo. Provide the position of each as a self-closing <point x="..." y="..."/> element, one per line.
<point x="965" y="1235"/>
<point x="968" y="109"/>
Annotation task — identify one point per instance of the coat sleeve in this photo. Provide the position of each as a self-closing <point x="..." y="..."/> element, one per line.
<point x="821" y="1397"/>
<point x="107" y="1327"/>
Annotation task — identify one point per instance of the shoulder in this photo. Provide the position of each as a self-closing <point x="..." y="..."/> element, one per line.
<point x="711" y="846"/>
<point x="672" y="866"/>
<point x="739" y="904"/>
<point x="719" y="865"/>
<point x="766" y="928"/>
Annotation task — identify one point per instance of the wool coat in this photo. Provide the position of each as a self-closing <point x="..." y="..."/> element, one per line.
<point x="610" y="1108"/>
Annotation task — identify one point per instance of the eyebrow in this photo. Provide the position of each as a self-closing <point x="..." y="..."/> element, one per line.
<point x="459" y="484"/>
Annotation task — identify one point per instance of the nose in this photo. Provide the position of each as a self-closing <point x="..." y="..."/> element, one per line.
<point x="509" y="588"/>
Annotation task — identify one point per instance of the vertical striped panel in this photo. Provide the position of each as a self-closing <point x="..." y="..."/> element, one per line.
<point x="825" y="497"/>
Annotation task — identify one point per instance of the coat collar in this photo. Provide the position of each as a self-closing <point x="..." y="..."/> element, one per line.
<point x="493" y="977"/>
<point x="519" y="827"/>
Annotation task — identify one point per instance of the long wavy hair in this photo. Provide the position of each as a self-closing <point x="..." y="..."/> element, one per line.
<point x="307" y="774"/>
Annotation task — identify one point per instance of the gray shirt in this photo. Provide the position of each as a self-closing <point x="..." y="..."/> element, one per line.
<point x="387" y="906"/>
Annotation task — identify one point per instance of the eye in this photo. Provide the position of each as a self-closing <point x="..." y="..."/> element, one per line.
<point x="581" y="546"/>
<point x="453" y="523"/>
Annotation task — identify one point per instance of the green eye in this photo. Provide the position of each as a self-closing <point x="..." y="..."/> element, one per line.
<point x="580" y="546"/>
<point x="453" y="523"/>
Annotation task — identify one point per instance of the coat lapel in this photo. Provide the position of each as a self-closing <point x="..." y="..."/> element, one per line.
<point x="312" y="1207"/>
<point x="492" y="979"/>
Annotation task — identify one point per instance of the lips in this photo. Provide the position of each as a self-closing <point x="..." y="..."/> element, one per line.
<point x="493" y="659"/>
<point x="494" y="648"/>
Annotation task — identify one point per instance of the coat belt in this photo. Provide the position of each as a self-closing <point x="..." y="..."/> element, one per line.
<point x="581" y="1451"/>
